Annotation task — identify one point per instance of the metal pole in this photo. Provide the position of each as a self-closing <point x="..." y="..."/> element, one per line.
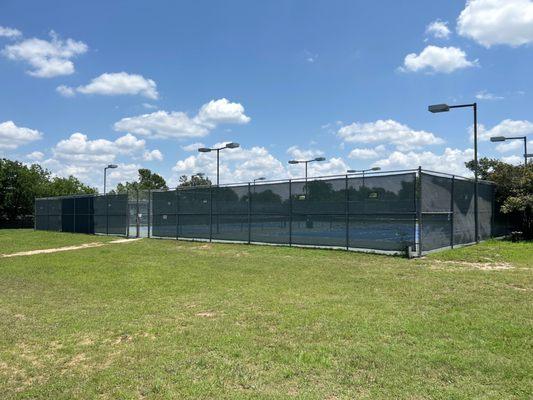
<point x="218" y="168"/>
<point x="105" y="178"/>
<point x="177" y="214"/>
<point x="290" y="212"/>
<point x="149" y="210"/>
<point x="306" y="162"/>
<point x="74" y="213"/>
<point x="525" y="151"/>
<point x="419" y="211"/>
<point x="211" y="212"/>
<point x="452" y="212"/>
<point x="250" y="213"/>
<point x="107" y="215"/>
<point x="137" y="218"/>
<point x="347" y="210"/>
<point x="476" y="210"/>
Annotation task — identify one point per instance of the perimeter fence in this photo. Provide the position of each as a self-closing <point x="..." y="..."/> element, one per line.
<point x="413" y="210"/>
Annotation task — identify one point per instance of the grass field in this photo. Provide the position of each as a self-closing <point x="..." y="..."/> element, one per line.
<point x="175" y="320"/>
<point x="15" y="240"/>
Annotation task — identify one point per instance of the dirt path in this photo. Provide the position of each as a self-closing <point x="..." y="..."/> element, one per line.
<point x="68" y="248"/>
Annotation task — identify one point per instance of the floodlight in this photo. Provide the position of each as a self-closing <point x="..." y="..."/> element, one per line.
<point x="112" y="166"/>
<point x="204" y="150"/>
<point x="498" y="139"/>
<point x="293" y="162"/>
<point x="232" y="145"/>
<point x="437" y="108"/>
<point x="320" y="159"/>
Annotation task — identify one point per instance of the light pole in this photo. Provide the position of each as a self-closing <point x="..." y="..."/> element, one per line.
<point x="262" y="178"/>
<point x="231" y="145"/>
<point x="504" y="138"/>
<point x="356" y="171"/>
<point x="438" y="108"/>
<point x="306" y="162"/>
<point x="110" y="166"/>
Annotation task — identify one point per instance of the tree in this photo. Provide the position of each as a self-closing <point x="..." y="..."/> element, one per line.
<point x="148" y="180"/>
<point x="514" y="190"/>
<point x="21" y="184"/>
<point x="195" y="180"/>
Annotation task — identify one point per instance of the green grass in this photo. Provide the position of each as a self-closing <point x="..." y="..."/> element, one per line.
<point x="15" y="240"/>
<point x="176" y="320"/>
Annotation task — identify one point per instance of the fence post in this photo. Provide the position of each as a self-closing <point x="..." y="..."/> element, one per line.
<point x="452" y="211"/>
<point x="74" y="213"/>
<point x="107" y="215"/>
<point x="127" y="212"/>
<point x="290" y="212"/>
<point x="210" y="213"/>
<point x="137" y="219"/>
<point x="249" y="214"/>
<point x="347" y="211"/>
<point x="177" y="214"/>
<point x="419" y="211"/>
<point x="149" y="210"/>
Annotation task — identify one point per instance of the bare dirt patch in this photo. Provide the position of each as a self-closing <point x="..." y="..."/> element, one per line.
<point x="125" y="240"/>
<point x="206" y="314"/>
<point x="123" y="339"/>
<point x="54" y="250"/>
<point x="482" y="266"/>
<point x="68" y="248"/>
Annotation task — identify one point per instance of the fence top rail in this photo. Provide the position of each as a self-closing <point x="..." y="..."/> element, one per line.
<point x="436" y="173"/>
<point x="78" y="196"/>
<point x="359" y="175"/>
<point x="74" y="196"/>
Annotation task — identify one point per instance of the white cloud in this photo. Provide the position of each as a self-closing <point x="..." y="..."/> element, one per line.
<point x="65" y="91"/>
<point x="78" y="148"/>
<point x="162" y="125"/>
<point x="438" y="29"/>
<point x="388" y="131"/>
<point x="332" y="166"/>
<point x="149" y="106"/>
<point x="35" y="156"/>
<point x="437" y="59"/>
<point x="507" y="127"/>
<point x="118" y="83"/>
<point x="298" y="154"/>
<point x="154" y="155"/>
<point x="493" y="22"/>
<point x="13" y="136"/>
<point x="513" y="145"/>
<point x="484" y="95"/>
<point x="193" y="146"/>
<point x="515" y="160"/>
<point x="46" y="58"/>
<point x="178" y="125"/>
<point x="9" y="32"/>
<point x="236" y="165"/>
<point x="84" y="158"/>
<point x="450" y="161"/>
<point x="366" y="153"/>
<point x="222" y="111"/>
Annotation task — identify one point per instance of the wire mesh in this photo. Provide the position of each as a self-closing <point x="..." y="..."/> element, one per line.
<point x="387" y="212"/>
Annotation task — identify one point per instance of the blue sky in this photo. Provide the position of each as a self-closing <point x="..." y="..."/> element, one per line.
<point x="142" y="84"/>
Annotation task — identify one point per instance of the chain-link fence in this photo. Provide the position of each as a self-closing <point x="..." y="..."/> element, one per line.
<point x="388" y="212"/>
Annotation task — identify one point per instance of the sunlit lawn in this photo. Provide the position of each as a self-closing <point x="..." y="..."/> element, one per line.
<point x="175" y="320"/>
